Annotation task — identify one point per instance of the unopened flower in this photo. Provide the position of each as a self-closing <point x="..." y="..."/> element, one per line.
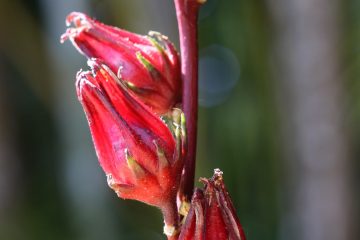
<point x="148" y="65"/>
<point x="212" y="215"/>
<point x="140" y="154"/>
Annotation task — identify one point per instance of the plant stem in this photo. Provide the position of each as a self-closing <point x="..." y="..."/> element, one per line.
<point x="171" y="218"/>
<point x="187" y="15"/>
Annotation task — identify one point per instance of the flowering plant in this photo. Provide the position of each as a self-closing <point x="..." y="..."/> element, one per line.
<point x="141" y="107"/>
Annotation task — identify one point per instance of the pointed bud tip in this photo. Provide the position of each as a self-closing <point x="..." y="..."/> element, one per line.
<point x="94" y="64"/>
<point x="80" y="23"/>
<point x="85" y="82"/>
<point x="218" y="173"/>
<point x="77" y="19"/>
<point x="64" y="37"/>
<point x="203" y="180"/>
<point x="83" y="77"/>
<point x="97" y="66"/>
<point x="215" y="180"/>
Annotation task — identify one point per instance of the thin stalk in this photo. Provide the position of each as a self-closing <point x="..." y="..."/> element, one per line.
<point x="187" y="15"/>
<point x="171" y="220"/>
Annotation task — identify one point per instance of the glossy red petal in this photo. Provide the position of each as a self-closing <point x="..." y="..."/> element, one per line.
<point x="148" y="64"/>
<point x="135" y="147"/>
<point x="147" y="126"/>
<point x="106" y="129"/>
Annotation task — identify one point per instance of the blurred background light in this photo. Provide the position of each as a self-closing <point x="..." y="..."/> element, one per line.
<point x="219" y="71"/>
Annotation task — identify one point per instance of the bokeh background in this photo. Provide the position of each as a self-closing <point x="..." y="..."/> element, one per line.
<point x="280" y="107"/>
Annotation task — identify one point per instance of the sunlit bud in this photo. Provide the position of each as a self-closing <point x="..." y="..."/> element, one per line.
<point x="139" y="153"/>
<point x="212" y="215"/>
<point x="148" y="65"/>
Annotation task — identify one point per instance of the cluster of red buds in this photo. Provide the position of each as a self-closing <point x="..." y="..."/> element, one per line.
<point x="212" y="215"/>
<point x="132" y="100"/>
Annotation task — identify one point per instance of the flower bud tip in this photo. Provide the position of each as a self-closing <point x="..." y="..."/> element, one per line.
<point x="80" y="23"/>
<point x="218" y="173"/>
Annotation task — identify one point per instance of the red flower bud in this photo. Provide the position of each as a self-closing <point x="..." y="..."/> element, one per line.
<point x="148" y="65"/>
<point x="140" y="154"/>
<point x="212" y="215"/>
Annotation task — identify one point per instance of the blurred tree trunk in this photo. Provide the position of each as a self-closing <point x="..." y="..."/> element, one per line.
<point x="307" y="48"/>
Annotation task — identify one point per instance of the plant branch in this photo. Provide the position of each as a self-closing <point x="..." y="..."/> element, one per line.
<point x="187" y="15"/>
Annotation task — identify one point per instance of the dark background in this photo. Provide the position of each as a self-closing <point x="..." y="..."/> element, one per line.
<point x="280" y="107"/>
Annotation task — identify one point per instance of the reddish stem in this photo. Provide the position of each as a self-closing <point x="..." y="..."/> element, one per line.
<point x="171" y="217"/>
<point x="187" y="15"/>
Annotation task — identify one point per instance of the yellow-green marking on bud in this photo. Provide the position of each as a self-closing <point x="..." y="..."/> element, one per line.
<point x="153" y="71"/>
<point x="138" y="170"/>
<point x="163" y="162"/>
